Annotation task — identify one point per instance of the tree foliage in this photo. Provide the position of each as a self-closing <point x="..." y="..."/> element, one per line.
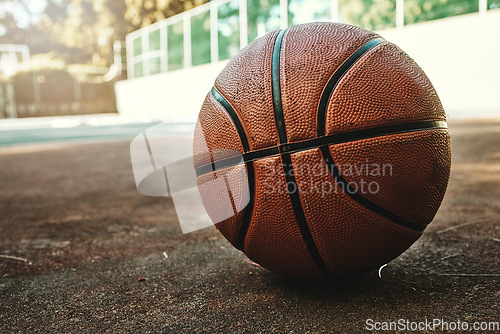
<point x="425" y="10"/>
<point x="80" y="31"/>
<point x="381" y="14"/>
<point x="141" y="13"/>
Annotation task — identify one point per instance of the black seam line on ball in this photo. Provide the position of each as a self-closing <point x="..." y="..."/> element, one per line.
<point x="234" y="117"/>
<point x="351" y="192"/>
<point x="325" y="140"/>
<point x="276" y="88"/>
<point x="300" y="215"/>
<point x="332" y="83"/>
<point x="247" y="215"/>
<point x="277" y="108"/>
<point x="286" y="159"/>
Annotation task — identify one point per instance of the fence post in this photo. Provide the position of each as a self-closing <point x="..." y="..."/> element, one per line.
<point x="334" y="10"/>
<point x="400" y="13"/>
<point x="483" y="6"/>
<point x="3" y="102"/>
<point x="187" y="39"/>
<point x="145" y="51"/>
<point x="37" y="93"/>
<point x="117" y="55"/>
<point x="214" y="32"/>
<point x="163" y="48"/>
<point x="283" y="14"/>
<point x="10" y="105"/>
<point x="129" y="54"/>
<point x="243" y="24"/>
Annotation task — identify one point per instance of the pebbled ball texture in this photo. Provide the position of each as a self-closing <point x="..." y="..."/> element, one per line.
<point x="320" y="230"/>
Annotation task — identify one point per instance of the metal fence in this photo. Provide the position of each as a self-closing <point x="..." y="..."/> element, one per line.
<point x="217" y="30"/>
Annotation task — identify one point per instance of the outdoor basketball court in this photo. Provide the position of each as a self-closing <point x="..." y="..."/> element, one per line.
<point x="83" y="250"/>
<point x="110" y="190"/>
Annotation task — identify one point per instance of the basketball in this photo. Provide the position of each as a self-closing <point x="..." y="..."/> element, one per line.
<point x="344" y="151"/>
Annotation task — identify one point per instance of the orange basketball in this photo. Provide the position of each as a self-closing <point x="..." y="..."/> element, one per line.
<point x="345" y="150"/>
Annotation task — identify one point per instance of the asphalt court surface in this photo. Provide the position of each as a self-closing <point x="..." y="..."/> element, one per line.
<point x="82" y="251"/>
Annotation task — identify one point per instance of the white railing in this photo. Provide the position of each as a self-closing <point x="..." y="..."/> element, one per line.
<point x="144" y="59"/>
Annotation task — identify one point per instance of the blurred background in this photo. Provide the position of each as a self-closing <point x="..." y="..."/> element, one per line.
<point x="155" y="60"/>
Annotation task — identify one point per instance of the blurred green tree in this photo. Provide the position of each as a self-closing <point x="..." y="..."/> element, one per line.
<point x="141" y="13"/>
<point x="369" y="14"/>
<point x="425" y="10"/>
<point x="80" y="31"/>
